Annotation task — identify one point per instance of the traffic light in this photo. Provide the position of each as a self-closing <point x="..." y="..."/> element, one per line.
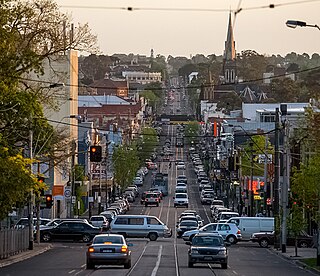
<point x="49" y="201"/>
<point x="95" y="153"/>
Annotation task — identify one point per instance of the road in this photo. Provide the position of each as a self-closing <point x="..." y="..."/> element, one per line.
<point x="164" y="256"/>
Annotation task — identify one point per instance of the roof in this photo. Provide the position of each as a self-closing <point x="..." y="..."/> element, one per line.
<point x="98" y="101"/>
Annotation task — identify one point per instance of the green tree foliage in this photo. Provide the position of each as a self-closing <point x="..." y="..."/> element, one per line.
<point x="258" y="148"/>
<point x="192" y="132"/>
<point x="153" y="98"/>
<point x="286" y="90"/>
<point x="251" y="65"/>
<point x="16" y="181"/>
<point x="229" y="102"/>
<point x="125" y="164"/>
<point x="308" y="195"/>
<point x="147" y="144"/>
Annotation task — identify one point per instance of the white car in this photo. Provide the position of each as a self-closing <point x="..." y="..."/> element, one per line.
<point x="181" y="166"/>
<point x="138" y="181"/>
<point x="181" y="199"/>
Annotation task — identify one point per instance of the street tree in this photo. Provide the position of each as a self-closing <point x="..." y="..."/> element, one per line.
<point x="147" y="144"/>
<point x="125" y="163"/>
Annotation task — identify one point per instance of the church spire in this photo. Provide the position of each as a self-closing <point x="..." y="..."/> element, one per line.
<point x="230" y="51"/>
<point x="229" y="70"/>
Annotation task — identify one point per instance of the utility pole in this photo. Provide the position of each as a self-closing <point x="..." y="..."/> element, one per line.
<point x="251" y="195"/>
<point x="284" y="190"/>
<point x="276" y="180"/>
<point x="31" y="204"/>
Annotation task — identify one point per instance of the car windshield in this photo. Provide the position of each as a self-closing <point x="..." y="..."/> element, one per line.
<point x="207" y="241"/>
<point x="108" y="240"/>
<point x="188" y="223"/>
<point x="181" y="195"/>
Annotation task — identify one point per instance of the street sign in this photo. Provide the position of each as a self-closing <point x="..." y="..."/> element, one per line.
<point x="73" y="200"/>
<point x="67" y="192"/>
<point x="268" y="201"/>
<point x="257" y="197"/>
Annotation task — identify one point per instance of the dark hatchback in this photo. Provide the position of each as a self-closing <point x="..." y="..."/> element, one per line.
<point x="186" y="225"/>
<point x="70" y="230"/>
<point x="267" y="238"/>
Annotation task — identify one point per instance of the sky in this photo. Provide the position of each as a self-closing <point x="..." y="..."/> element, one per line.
<point x="166" y="27"/>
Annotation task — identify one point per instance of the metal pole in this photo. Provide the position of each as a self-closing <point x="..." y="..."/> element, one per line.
<point x="99" y="196"/>
<point x="90" y="193"/>
<point x="276" y="179"/>
<point x="73" y="188"/>
<point x="265" y="176"/>
<point x="251" y="196"/>
<point x="31" y="204"/>
<point x="284" y="189"/>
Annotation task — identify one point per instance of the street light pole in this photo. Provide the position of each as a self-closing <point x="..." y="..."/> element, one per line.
<point x="31" y="203"/>
<point x="294" y="23"/>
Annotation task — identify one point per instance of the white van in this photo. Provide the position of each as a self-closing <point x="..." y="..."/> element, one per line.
<point x="140" y="226"/>
<point x="250" y="225"/>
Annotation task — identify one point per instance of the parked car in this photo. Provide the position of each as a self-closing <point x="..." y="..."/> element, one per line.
<point x="267" y="238"/>
<point x="99" y="221"/>
<point x="208" y="248"/>
<point x="186" y="225"/>
<point x="230" y="232"/>
<point x="70" y="230"/>
<point x="207" y="197"/>
<point x="108" y="215"/>
<point x="24" y="222"/>
<point x="109" y="249"/>
<point x="224" y="216"/>
<point x="57" y="221"/>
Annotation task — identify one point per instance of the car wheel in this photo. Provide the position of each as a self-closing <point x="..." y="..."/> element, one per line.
<point x="46" y="237"/>
<point x="157" y="204"/>
<point x="187" y="206"/>
<point x="264" y="243"/>
<point x="127" y="265"/>
<point x="224" y="265"/>
<point x="145" y="205"/>
<point x="153" y="236"/>
<point x="86" y="238"/>
<point x="232" y="239"/>
<point x="303" y="244"/>
<point x="90" y="265"/>
<point x="190" y="264"/>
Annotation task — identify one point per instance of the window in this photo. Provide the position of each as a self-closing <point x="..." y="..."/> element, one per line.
<point x="136" y="221"/>
<point x="224" y="227"/>
<point x="121" y="221"/>
<point x="153" y="221"/>
<point x="211" y="227"/>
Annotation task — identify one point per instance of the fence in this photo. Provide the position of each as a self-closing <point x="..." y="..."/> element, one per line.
<point x="13" y="241"/>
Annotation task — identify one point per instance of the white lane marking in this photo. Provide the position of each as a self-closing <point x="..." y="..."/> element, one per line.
<point x="70" y="272"/>
<point x="160" y="213"/>
<point x="133" y="267"/>
<point x="79" y="272"/>
<point x="83" y="265"/>
<point x="155" y="269"/>
<point x="234" y="272"/>
<point x="167" y="220"/>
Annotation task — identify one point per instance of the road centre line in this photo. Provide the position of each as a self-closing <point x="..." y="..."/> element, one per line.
<point x="155" y="269"/>
<point x="73" y="270"/>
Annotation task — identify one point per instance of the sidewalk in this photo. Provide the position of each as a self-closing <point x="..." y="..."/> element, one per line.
<point x="303" y="253"/>
<point x="38" y="249"/>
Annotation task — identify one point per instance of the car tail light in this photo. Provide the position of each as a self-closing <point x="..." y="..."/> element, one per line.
<point x="91" y="249"/>
<point x="145" y="199"/>
<point x="239" y="232"/>
<point x="124" y="248"/>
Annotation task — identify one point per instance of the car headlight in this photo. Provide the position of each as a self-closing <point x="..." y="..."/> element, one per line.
<point x="195" y="251"/>
<point x="222" y="252"/>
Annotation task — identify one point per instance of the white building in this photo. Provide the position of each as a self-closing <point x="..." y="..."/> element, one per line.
<point x="142" y="77"/>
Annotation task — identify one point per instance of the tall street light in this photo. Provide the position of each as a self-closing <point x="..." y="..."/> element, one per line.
<point x="294" y="23"/>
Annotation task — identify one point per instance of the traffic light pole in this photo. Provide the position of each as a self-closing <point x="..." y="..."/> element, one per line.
<point x="276" y="180"/>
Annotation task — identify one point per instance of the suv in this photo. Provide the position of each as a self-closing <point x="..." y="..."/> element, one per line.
<point x="152" y="199"/>
<point x="229" y="231"/>
<point x="208" y="248"/>
<point x="181" y="199"/>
